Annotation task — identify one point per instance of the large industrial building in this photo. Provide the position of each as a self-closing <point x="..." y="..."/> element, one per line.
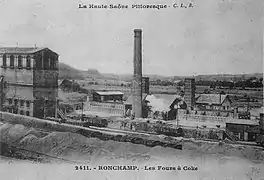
<point x="30" y="81"/>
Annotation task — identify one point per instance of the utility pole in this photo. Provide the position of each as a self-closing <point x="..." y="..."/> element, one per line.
<point x="82" y="111"/>
<point x="248" y="99"/>
<point x="177" y="115"/>
<point x="2" y="95"/>
<point x="56" y="106"/>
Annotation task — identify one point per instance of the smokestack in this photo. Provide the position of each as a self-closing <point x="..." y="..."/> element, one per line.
<point x="137" y="80"/>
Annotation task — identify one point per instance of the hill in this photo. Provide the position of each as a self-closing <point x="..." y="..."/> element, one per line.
<point x="228" y="77"/>
<point x="68" y="72"/>
<point x="92" y="73"/>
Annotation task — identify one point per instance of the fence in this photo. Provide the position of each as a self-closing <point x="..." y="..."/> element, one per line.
<point x="110" y="108"/>
<point x="199" y="120"/>
<point x="229" y="114"/>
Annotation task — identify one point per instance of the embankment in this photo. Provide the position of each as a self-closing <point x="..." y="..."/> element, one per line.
<point x="148" y="140"/>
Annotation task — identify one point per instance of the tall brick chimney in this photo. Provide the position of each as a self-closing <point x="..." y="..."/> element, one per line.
<point x="137" y="79"/>
<point x="189" y="92"/>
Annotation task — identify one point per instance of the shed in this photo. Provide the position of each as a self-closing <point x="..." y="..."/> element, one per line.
<point x="107" y="96"/>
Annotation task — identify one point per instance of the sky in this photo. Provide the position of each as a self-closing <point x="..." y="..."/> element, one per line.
<point x="213" y="37"/>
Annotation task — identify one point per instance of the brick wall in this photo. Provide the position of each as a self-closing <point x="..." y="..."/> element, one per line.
<point x="46" y="78"/>
<point x="22" y="76"/>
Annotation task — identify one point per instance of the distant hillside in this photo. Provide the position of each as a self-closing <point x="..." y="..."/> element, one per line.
<point x="92" y="73"/>
<point x="120" y="77"/>
<point x="68" y="72"/>
<point x="221" y="77"/>
<point x="228" y="77"/>
<point x="129" y="77"/>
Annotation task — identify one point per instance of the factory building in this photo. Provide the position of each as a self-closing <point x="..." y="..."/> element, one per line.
<point x="105" y="102"/>
<point x="243" y="130"/>
<point x="189" y="92"/>
<point x="109" y="96"/>
<point x="213" y="102"/>
<point x="30" y="78"/>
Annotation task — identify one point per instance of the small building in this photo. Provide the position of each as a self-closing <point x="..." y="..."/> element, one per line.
<point x="243" y="130"/>
<point x="107" y="96"/>
<point x="105" y="102"/>
<point x="213" y="102"/>
<point x="157" y="106"/>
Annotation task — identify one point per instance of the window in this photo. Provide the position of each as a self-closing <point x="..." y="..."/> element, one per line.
<point x="38" y="62"/>
<point x="28" y="103"/>
<point x="21" y="103"/>
<point x="15" y="111"/>
<point x="12" y="61"/>
<point x="27" y="113"/>
<point x="9" y="101"/>
<point x="51" y="63"/>
<point x="28" y="62"/>
<point x="15" y="102"/>
<point x="55" y="63"/>
<point x="4" y="60"/>
<point x="46" y="63"/>
<point x="20" y="62"/>
<point x="22" y="112"/>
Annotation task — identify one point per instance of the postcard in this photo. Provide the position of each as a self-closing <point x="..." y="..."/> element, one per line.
<point x="135" y="89"/>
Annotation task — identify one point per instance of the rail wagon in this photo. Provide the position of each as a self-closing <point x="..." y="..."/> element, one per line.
<point x="95" y="121"/>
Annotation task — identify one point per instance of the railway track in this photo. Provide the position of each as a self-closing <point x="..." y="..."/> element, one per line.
<point x="126" y="132"/>
<point x="237" y="143"/>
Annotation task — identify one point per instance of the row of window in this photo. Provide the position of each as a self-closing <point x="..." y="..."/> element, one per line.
<point x="20" y="61"/>
<point x="47" y="63"/>
<point x="20" y="112"/>
<point x="50" y="63"/>
<point x="21" y="102"/>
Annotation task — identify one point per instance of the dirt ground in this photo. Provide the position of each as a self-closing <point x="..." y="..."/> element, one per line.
<point x="213" y="161"/>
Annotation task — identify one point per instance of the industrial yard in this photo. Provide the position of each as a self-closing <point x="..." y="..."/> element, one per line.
<point x="138" y="109"/>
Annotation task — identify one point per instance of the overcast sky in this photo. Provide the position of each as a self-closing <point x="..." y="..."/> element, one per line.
<point x="216" y="36"/>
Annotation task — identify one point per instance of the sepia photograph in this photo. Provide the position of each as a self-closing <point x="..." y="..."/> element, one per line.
<point x="135" y="90"/>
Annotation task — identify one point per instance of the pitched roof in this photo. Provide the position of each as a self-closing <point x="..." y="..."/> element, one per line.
<point x="130" y="99"/>
<point x="109" y="93"/>
<point x="156" y="102"/>
<point x="211" y="99"/>
<point x="21" y="50"/>
<point x="161" y="103"/>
